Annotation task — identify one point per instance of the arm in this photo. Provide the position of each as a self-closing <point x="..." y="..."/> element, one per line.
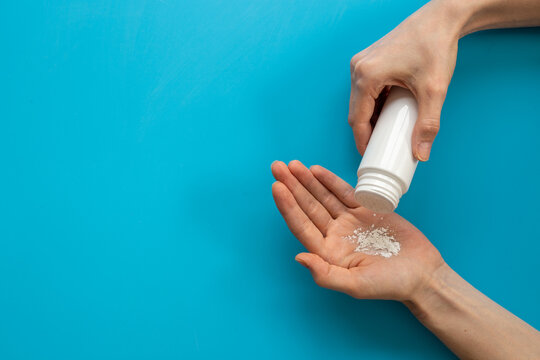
<point x="420" y="54"/>
<point x="492" y="14"/>
<point x="469" y="323"/>
<point x="320" y="210"/>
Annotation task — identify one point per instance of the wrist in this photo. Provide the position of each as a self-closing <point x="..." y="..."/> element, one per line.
<point x="437" y="293"/>
<point x="477" y="15"/>
<point x="458" y="15"/>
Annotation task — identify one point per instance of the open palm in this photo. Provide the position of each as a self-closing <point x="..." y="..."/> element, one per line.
<point x="319" y="209"/>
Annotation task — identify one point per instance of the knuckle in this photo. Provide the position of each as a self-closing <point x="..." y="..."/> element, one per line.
<point x="436" y="89"/>
<point x="355" y="59"/>
<point x="349" y="193"/>
<point x="319" y="280"/>
<point x="351" y="120"/>
<point x="364" y="68"/>
<point x="312" y="207"/>
<point x="318" y="277"/>
<point x="322" y="279"/>
<point x="327" y="199"/>
<point x="430" y="127"/>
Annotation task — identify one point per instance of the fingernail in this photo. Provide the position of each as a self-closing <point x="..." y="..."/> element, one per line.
<point x="302" y="262"/>
<point x="423" y="151"/>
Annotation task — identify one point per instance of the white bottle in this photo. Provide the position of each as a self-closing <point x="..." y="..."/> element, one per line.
<point x="388" y="165"/>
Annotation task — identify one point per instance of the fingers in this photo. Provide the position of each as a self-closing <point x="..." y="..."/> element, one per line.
<point x="379" y="102"/>
<point x="428" y="123"/>
<point x="297" y="221"/>
<point x="361" y="107"/>
<point x="310" y="182"/>
<point x="343" y="191"/>
<point x="307" y="202"/>
<point x="327" y="275"/>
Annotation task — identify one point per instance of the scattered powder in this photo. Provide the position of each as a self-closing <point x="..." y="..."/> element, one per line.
<point x="378" y="241"/>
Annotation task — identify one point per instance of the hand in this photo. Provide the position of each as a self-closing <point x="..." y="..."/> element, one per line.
<point x="420" y="54"/>
<point x="320" y="209"/>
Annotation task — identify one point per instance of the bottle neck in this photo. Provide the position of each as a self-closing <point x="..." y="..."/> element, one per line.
<point x="378" y="191"/>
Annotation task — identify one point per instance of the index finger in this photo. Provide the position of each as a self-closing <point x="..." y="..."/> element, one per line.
<point x="361" y="106"/>
<point x="297" y="221"/>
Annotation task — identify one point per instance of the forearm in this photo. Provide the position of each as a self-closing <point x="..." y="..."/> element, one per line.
<point x="476" y="15"/>
<point x="469" y="323"/>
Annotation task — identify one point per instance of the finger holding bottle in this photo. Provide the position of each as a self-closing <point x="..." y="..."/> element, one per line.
<point x="420" y="55"/>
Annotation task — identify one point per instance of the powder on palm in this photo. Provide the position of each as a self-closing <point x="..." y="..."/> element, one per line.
<point x="374" y="241"/>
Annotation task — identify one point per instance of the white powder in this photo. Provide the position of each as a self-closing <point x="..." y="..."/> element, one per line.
<point x="374" y="241"/>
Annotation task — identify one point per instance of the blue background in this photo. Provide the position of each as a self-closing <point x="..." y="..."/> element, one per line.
<point x="136" y="219"/>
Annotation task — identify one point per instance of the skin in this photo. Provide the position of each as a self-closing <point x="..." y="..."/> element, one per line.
<point x="420" y="55"/>
<point x="319" y="209"/>
<point x="319" y="218"/>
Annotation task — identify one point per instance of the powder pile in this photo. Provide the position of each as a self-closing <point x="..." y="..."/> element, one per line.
<point x="374" y="241"/>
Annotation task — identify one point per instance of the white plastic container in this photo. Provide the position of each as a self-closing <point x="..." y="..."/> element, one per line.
<point x="388" y="165"/>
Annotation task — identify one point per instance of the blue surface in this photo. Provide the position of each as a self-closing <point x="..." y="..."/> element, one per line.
<point x="136" y="220"/>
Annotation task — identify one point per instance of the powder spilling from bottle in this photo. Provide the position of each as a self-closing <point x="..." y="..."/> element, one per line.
<point x="374" y="241"/>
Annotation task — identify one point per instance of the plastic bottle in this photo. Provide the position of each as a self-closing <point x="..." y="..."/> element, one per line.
<point x="388" y="165"/>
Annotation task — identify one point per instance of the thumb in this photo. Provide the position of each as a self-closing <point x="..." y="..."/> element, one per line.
<point x="427" y="125"/>
<point x="327" y="275"/>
